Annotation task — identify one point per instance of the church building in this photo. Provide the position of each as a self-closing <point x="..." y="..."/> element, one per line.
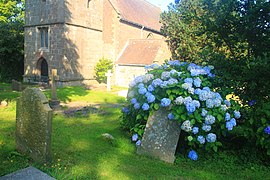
<point x="72" y="35"/>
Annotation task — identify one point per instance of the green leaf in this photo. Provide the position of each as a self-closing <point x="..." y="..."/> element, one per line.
<point x="156" y="106"/>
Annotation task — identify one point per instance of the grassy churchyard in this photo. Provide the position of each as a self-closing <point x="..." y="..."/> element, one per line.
<point x="81" y="152"/>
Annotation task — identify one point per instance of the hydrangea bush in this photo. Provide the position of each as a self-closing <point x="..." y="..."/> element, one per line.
<point x="185" y="91"/>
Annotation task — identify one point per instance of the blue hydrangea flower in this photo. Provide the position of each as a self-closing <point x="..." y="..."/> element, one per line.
<point x="174" y="63"/>
<point x="179" y="100"/>
<point x="125" y="110"/>
<point x="138" y="143"/>
<point x="229" y="125"/>
<point x="195" y="130"/>
<point x="165" y="75"/>
<point x="137" y="106"/>
<point x="186" y="126"/>
<point x="193" y="155"/>
<point x="190" y="107"/>
<point x="227" y="103"/>
<point x="188" y="80"/>
<point x="197" y="91"/>
<point x="171" y="116"/>
<point x="172" y="81"/>
<point x="196" y="103"/>
<point x="227" y="116"/>
<point x="252" y="102"/>
<point x="191" y="90"/>
<point x="165" y="102"/>
<point x="145" y="106"/>
<point x="142" y="90"/>
<point x="237" y="114"/>
<point x="217" y="102"/>
<point x="211" y="137"/>
<point x="197" y="82"/>
<point x="156" y="82"/>
<point x="209" y="103"/>
<point x="164" y="84"/>
<point x="187" y="100"/>
<point x="133" y="100"/>
<point x="134" y="137"/>
<point x="233" y="121"/>
<point x="150" y="88"/>
<point x="139" y="79"/>
<point x="209" y="119"/>
<point x="201" y="139"/>
<point x="173" y="71"/>
<point x="207" y="89"/>
<point x="223" y="107"/>
<point x="151" y="98"/>
<point x="204" y="112"/>
<point x="141" y="85"/>
<point x="186" y="85"/>
<point x="267" y="130"/>
<point x="206" y="128"/>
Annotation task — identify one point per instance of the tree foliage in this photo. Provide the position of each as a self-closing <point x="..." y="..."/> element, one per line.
<point x="11" y="39"/>
<point x="234" y="36"/>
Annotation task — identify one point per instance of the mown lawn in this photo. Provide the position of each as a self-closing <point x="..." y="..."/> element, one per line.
<point x="80" y="152"/>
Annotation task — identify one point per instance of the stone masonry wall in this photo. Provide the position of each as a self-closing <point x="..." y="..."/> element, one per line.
<point x="125" y="74"/>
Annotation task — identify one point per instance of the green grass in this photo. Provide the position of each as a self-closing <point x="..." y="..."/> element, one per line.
<point x="80" y="152"/>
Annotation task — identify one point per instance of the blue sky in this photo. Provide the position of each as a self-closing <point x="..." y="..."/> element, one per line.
<point x="161" y="3"/>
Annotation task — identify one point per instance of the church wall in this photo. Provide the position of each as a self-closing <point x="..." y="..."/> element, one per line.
<point x="33" y="51"/>
<point x="44" y="12"/>
<point x="82" y="50"/>
<point x="85" y="13"/>
<point x="126" y="73"/>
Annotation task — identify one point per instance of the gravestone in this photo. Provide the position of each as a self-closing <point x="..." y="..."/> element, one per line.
<point x="34" y="125"/>
<point x="160" y="137"/>
<point x="54" y="102"/>
<point x="109" y="75"/>
<point x="16" y="86"/>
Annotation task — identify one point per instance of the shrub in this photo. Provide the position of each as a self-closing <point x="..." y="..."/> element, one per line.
<point x="186" y="91"/>
<point x="101" y="68"/>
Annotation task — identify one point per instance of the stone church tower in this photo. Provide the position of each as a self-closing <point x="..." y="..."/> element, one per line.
<point x="72" y="35"/>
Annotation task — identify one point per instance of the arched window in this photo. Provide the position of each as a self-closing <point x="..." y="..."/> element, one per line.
<point x="88" y="3"/>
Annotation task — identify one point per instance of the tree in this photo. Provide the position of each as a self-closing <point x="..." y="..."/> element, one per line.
<point x="11" y="39"/>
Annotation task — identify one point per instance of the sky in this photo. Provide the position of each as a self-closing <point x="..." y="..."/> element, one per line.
<point x="161" y="3"/>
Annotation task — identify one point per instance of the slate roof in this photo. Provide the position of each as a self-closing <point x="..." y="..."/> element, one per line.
<point x="139" y="52"/>
<point x="138" y="12"/>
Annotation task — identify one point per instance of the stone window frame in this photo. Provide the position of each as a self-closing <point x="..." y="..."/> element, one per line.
<point x="88" y="3"/>
<point x="43" y="38"/>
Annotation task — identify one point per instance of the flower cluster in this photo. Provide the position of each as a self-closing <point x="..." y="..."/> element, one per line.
<point x="186" y="91"/>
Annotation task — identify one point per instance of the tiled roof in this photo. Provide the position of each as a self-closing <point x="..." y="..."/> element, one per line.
<point x="139" y="52"/>
<point x="138" y="12"/>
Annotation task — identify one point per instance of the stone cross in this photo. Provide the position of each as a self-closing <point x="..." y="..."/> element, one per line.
<point x="108" y="75"/>
<point x="54" y="102"/>
<point x="34" y="125"/>
<point x="160" y="137"/>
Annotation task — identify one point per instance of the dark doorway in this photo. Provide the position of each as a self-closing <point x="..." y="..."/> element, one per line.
<point x="42" y="69"/>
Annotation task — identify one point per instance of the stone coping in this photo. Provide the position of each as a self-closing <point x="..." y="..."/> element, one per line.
<point x="29" y="173"/>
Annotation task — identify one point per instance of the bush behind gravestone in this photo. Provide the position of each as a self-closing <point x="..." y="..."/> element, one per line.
<point x="187" y="92"/>
<point x="101" y="68"/>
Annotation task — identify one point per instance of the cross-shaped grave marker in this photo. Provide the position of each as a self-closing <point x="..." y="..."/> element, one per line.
<point x="109" y="75"/>
<point x="54" y="102"/>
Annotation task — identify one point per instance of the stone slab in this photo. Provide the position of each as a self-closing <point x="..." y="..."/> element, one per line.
<point x="29" y="173"/>
<point x="160" y="137"/>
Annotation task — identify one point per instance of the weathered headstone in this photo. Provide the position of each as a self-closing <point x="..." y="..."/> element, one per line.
<point x="54" y="102"/>
<point x="16" y="86"/>
<point x="34" y="125"/>
<point x="109" y="75"/>
<point x="160" y="137"/>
